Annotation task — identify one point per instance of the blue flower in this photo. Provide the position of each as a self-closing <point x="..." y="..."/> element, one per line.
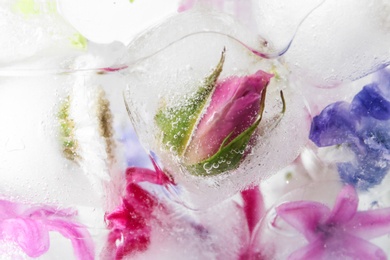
<point x="369" y="102"/>
<point x="135" y="154"/>
<point x="364" y="127"/>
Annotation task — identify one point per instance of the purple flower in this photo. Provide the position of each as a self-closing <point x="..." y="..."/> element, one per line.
<point x="215" y="125"/>
<point x="364" y="127"/>
<point x="29" y="228"/>
<point x="340" y="233"/>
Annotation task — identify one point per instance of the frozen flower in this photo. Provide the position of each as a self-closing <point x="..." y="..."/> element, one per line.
<point x="364" y="127"/>
<point x="215" y="125"/>
<point x="129" y="224"/>
<point x="29" y="229"/>
<point x="340" y="233"/>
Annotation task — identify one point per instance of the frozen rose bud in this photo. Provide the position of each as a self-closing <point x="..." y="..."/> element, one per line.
<point x="234" y="107"/>
<point x="211" y="130"/>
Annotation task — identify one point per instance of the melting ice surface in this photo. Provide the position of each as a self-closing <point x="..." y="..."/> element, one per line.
<point x="66" y="138"/>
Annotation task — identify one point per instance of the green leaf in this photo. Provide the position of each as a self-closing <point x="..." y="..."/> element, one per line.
<point x="228" y="156"/>
<point x="67" y="128"/>
<point x="178" y="123"/>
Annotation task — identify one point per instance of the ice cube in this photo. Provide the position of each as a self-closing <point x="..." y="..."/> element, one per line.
<point x="111" y="21"/>
<point x="68" y="119"/>
<point x="171" y="75"/>
<point x="35" y="30"/>
<point x="341" y="41"/>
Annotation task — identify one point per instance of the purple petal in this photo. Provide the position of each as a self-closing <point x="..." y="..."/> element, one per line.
<point x="382" y="78"/>
<point x="305" y="216"/>
<point x="370" y="102"/>
<point x="30" y="235"/>
<point x="370" y="224"/>
<point x="335" y="125"/>
<point x="342" y="247"/>
<point x="351" y="247"/>
<point x="345" y="206"/>
<point x="314" y="250"/>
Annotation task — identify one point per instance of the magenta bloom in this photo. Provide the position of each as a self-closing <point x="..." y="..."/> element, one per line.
<point x="29" y="228"/>
<point x="130" y="222"/>
<point x="340" y="233"/>
<point x="234" y="107"/>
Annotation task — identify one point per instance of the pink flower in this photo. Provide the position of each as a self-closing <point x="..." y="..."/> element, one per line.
<point x="29" y="228"/>
<point x="254" y="210"/>
<point x="130" y="222"/>
<point x="340" y="233"/>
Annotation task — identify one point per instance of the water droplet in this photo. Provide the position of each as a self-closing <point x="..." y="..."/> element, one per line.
<point x="207" y="168"/>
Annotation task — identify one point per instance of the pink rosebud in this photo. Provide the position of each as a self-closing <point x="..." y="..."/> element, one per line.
<point x="210" y="130"/>
<point x="234" y="107"/>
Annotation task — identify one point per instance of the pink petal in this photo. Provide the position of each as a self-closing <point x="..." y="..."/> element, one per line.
<point x="79" y="236"/>
<point x="118" y="218"/>
<point x="345" y="206"/>
<point x="129" y="223"/>
<point x="134" y="242"/>
<point x="8" y="209"/>
<point x="136" y="174"/>
<point x="305" y="216"/>
<point x="314" y="250"/>
<point x="242" y="114"/>
<point x="253" y="206"/>
<point x="30" y="235"/>
<point x="186" y="5"/>
<point x="254" y="210"/>
<point x="370" y="224"/>
<point x="60" y="221"/>
<point x="141" y="200"/>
